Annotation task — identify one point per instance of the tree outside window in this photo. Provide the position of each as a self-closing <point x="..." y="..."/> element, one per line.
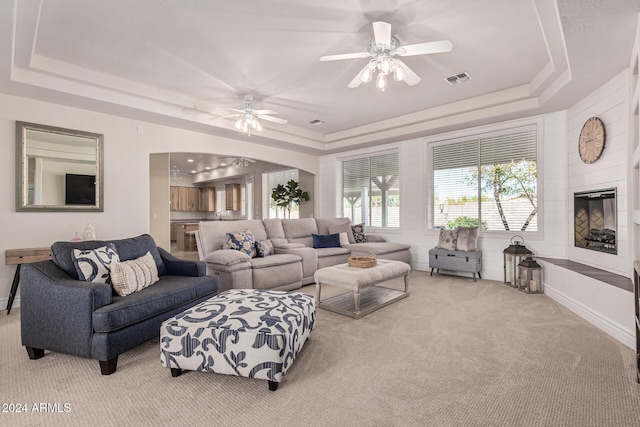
<point x="477" y="182"/>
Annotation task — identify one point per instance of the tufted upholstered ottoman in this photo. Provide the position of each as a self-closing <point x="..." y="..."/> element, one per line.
<point x="245" y="332"/>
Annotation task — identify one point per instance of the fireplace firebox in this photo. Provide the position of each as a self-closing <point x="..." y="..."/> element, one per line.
<point x="595" y="220"/>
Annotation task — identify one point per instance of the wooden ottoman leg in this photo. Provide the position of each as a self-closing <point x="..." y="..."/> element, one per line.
<point x="175" y="372"/>
<point x="273" y="386"/>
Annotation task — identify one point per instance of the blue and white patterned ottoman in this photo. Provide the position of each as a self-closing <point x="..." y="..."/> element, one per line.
<point x="244" y="332"/>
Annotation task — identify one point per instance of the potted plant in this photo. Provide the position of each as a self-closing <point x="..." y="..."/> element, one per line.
<point x="288" y="195"/>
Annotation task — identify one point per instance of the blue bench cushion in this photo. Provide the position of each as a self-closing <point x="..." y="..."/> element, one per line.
<point x="128" y="249"/>
<point x="163" y="296"/>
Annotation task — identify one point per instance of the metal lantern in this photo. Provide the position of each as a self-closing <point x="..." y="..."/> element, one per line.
<point x="511" y="258"/>
<point x="530" y="274"/>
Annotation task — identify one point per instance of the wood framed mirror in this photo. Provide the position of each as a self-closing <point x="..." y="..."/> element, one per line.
<point x="58" y="169"/>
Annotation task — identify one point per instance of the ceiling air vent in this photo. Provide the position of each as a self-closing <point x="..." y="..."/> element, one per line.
<point x="316" y="122"/>
<point x="458" y="78"/>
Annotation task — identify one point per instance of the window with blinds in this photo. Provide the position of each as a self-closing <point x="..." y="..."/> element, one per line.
<point x="371" y="190"/>
<point x="489" y="180"/>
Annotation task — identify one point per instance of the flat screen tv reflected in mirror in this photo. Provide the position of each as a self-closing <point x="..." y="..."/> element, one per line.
<point x="80" y="189"/>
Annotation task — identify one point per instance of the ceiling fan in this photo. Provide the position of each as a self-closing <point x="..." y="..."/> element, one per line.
<point x="382" y="50"/>
<point x="248" y="116"/>
<point x="241" y="162"/>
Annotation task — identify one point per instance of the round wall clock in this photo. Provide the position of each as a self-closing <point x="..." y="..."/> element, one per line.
<point x="591" y="141"/>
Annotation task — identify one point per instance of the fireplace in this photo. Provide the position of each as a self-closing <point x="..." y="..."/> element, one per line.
<point x="595" y="220"/>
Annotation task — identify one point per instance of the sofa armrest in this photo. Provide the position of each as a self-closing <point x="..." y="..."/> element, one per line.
<point x="56" y="311"/>
<point x="375" y="238"/>
<point x="227" y="257"/>
<point x="182" y="267"/>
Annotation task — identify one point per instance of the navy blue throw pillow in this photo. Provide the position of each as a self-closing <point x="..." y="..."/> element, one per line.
<point x="326" y="240"/>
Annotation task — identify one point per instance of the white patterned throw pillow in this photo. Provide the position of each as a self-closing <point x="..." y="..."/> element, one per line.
<point x="94" y="265"/>
<point x="132" y="276"/>
<point x="448" y="239"/>
<point x="358" y="233"/>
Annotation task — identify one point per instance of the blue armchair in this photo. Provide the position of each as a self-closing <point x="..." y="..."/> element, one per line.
<point x="60" y="312"/>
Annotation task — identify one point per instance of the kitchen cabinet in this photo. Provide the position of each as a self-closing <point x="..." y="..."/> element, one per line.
<point x="232" y="197"/>
<point x="174" y="198"/>
<point x="208" y="199"/>
<point x="183" y="198"/>
<point x="193" y="199"/>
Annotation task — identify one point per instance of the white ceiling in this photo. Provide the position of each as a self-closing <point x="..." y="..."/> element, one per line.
<point x="156" y="60"/>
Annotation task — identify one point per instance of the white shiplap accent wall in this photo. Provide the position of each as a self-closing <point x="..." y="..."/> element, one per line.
<point x="610" y="103"/>
<point x="414" y="199"/>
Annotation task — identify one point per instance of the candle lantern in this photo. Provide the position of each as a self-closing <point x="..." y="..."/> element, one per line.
<point x="530" y="274"/>
<point x="512" y="256"/>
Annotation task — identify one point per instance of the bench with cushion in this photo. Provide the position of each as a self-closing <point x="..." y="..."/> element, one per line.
<point x="457" y="250"/>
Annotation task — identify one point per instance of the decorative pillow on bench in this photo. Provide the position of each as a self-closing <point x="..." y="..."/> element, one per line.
<point x="467" y="239"/>
<point x="448" y="239"/>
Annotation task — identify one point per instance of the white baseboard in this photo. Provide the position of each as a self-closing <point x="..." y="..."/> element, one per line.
<point x="607" y="325"/>
<point x="3" y="303"/>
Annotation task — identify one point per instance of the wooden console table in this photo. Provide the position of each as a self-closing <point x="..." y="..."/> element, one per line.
<point x="22" y="256"/>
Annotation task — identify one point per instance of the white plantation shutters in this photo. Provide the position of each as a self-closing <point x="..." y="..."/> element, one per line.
<point x="371" y="190"/>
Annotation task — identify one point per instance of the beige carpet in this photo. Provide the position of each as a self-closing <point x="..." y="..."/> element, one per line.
<point x="455" y="353"/>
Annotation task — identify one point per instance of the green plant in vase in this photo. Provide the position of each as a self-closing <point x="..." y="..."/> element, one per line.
<point x="289" y="195"/>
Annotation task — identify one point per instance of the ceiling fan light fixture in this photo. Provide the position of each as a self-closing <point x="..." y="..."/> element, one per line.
<point x="381" y="82"/>
<point x="399" y="74"/>
<point x="386" y="65"/>
<point x="366" y="75"/>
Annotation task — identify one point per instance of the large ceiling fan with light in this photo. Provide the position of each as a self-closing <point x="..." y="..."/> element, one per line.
<point x="382" y="51"/>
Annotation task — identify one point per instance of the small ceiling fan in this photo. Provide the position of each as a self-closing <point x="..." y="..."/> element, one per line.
<point x="248" y="116"/>
<point x="241" y="162"/>
<point x="382" y="50"/>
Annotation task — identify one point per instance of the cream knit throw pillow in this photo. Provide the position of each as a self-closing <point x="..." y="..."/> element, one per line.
<point x="131" y="276"/>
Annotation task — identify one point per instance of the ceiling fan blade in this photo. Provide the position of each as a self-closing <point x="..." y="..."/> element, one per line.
<point x="264" y="112"/>
<point x="425" y="48"/>
<point x="272" y="119"/>
<point x="345" y="56"/>
<point x="227" y="117"/>
<point x="235" y="109"/>
<point x="382" y="33"/>
<point x="410" y="78"/>
<point x="357" y="80"/>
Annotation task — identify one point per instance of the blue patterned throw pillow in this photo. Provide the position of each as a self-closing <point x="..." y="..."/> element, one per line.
<point x="243" y="242"/>
<point x="94" y="265"/>
<point x="358" y="233"/>
<point x="264" y="248"/>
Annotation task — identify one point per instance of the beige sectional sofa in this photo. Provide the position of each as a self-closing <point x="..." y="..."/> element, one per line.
<point x="295" y="259"/>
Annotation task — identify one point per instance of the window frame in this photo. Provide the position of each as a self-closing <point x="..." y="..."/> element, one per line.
<point x="493" y="130"/>
<point x="266" y="193"/>
<point x="362" y="154"/>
